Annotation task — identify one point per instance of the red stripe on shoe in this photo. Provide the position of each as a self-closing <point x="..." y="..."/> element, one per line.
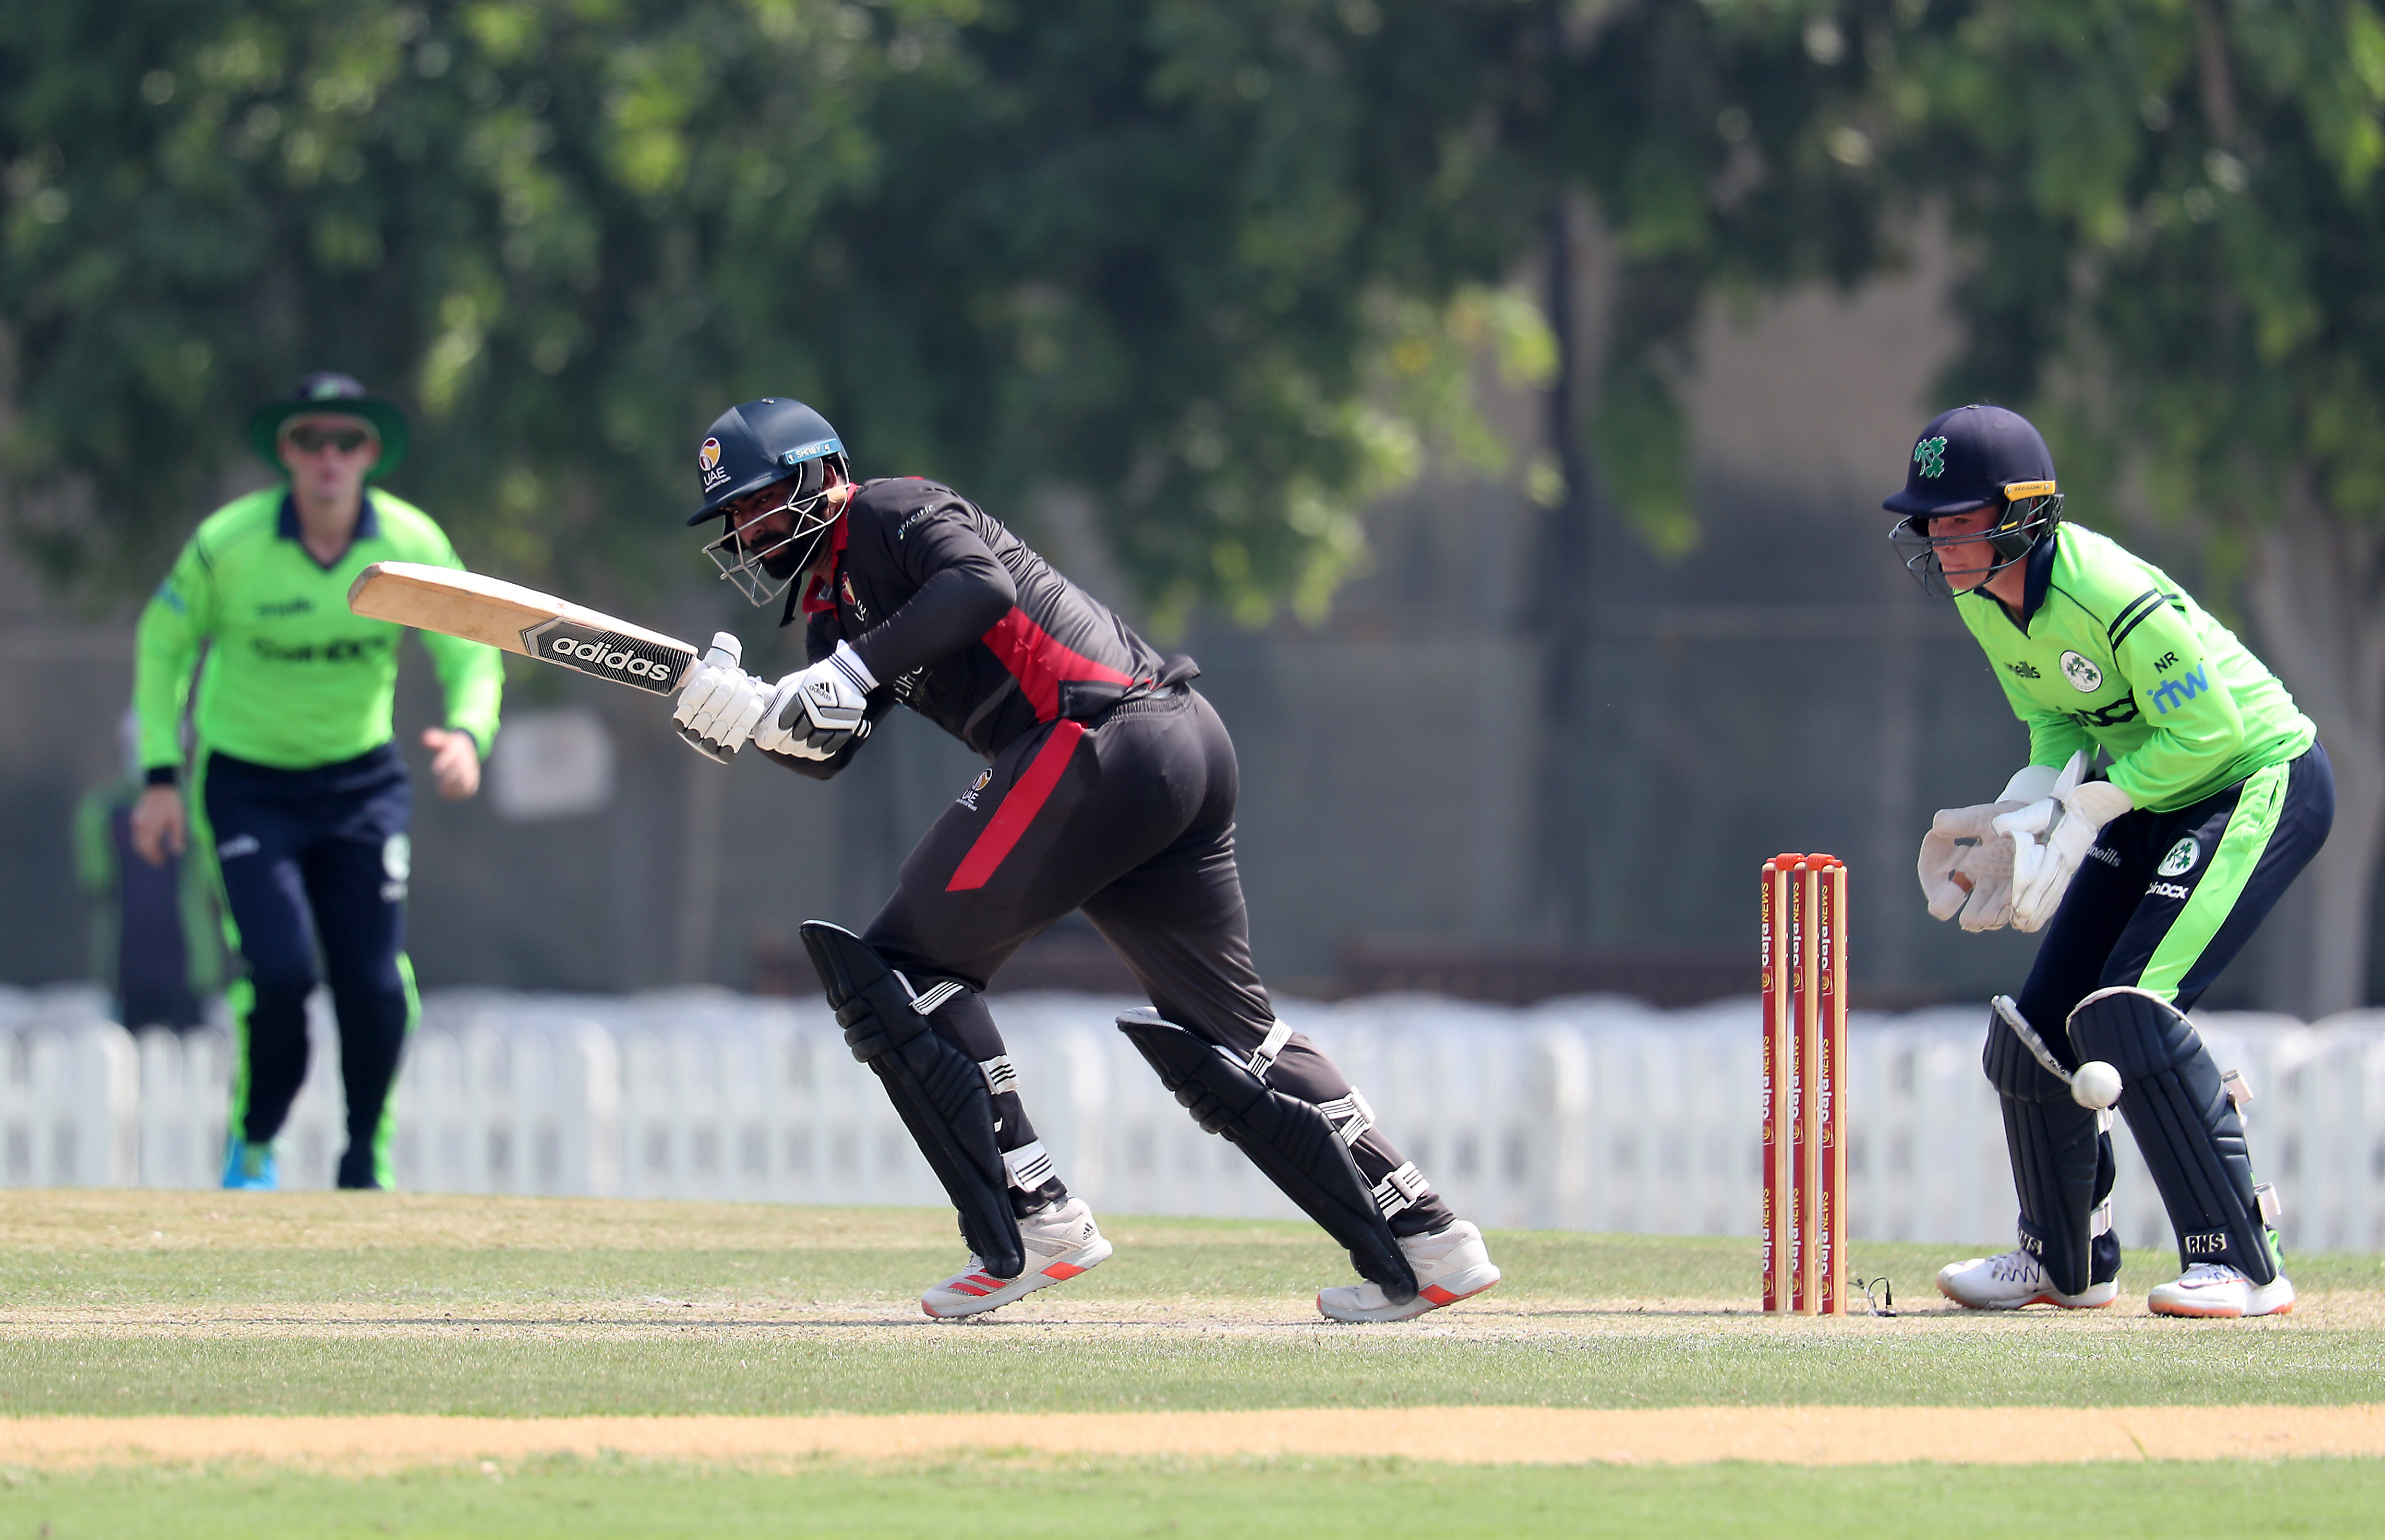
<point x="1041" y="664"/>
<point x="1062" y="1271"/>
<point x="1019" y="808"/>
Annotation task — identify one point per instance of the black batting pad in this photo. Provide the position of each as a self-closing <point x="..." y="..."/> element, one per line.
<point x="2176" y="1105"/>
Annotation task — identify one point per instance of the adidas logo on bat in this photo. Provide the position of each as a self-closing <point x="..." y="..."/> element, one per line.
<point x="608" y="655"/>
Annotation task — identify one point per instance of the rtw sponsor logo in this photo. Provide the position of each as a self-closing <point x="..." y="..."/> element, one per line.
<point x="2210" y="1244"/>
<point x="2184" y="688"/>
<point x="608" y="655"/>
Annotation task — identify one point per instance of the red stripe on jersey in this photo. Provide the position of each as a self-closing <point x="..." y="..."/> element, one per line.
<point x="1019" y="808"/>
<point x="1039" y="664"/>
<point x="820" y="597"/>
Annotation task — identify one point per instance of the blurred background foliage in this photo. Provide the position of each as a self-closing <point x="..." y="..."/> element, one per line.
<point x="1227" y="270"/>
<point x="1230" y="267"/>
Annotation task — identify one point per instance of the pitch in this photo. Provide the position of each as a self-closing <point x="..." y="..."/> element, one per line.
<point x="193" y="1308"/>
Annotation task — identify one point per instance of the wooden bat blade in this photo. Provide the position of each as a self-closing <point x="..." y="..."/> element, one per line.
<point x="521" y="620"/>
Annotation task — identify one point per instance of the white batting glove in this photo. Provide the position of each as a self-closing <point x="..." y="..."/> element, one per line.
<point x="720" y="702"/>
<point x="815" y="712"/>
<point x="2050" y="838"/>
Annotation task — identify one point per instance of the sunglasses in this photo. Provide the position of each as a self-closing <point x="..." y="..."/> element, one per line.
<point x="308" y="440"/>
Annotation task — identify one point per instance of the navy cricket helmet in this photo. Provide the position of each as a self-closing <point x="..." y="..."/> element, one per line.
<point x="769" y="443"/>
<point x="1970" y="458"/>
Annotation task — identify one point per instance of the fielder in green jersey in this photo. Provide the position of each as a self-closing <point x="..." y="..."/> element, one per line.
<point x="2148" y="876"/>
<point x="298" y="788"/>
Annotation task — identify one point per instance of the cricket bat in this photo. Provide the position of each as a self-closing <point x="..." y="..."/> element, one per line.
<point x="521" y="619"/>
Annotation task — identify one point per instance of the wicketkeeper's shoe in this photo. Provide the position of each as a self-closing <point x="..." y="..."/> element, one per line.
<point x="1451" y="1264"/>
<point x="2013" y="1280"/>
<point x="2217" y="1289"/>
<point x="1061" y="1243"/>
<point x="249" y="1168"/>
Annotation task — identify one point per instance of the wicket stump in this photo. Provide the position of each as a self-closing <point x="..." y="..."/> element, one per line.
<point x="1805" y="979"/>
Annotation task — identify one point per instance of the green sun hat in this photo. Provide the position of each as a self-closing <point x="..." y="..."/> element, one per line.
<point x="327" y="393"/>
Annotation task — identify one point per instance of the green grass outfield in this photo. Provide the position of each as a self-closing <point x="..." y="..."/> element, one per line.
<point x="1313" y="1500"/>
<point x="207" y="1304"/>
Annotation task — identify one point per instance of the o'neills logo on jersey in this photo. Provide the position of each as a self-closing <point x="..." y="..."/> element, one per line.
<point x="608" y="655"/>
<point x="708" y="464"/>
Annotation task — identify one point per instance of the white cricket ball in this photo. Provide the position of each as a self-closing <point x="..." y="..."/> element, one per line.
<point x="2096" y="1084"/>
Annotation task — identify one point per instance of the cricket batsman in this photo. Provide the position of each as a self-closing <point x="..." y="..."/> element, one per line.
<point x="1109" y="787"/>
<point x="295" y="777"/>
<point x="2147" y="876"/>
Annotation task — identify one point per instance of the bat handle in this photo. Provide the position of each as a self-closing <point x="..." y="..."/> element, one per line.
<point x="709" y="751"/>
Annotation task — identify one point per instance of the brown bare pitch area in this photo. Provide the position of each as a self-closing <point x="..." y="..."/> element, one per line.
<point x="1474" y="1435"/>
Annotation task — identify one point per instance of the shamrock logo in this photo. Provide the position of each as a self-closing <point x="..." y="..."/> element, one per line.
<point x="1930" y="454"/>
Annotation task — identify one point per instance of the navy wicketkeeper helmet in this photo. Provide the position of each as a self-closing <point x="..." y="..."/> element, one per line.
<point x="772" y="443"/>
<point x="1970" y="458"/>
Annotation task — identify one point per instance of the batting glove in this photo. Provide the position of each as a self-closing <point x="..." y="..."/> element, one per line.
<point x="720" y="702"/>
<point x="815" y="712"/>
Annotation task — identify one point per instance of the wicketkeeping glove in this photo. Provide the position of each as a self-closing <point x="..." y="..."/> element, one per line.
<point x="816" y="711"/>
<point x="1957" y="839"/>
<point x="2051" y="837"/>
<point x="720" y="702"/>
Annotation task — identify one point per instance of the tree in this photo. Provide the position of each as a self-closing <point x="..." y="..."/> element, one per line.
<point x="2176" y="211"/>
<point x="1168" y="252"/>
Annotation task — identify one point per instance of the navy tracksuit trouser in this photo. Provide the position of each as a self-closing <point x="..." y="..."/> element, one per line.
<point x="318" y="860"/>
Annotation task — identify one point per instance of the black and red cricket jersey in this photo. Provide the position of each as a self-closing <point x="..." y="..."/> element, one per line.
<point x="965" y="624"/>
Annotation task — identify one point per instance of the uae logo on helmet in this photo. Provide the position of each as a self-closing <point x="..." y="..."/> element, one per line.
<point x="708" y="464"/>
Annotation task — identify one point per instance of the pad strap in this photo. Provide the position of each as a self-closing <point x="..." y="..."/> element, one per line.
<point x="1001" y="1078"/>
<point x="1029" y="1165"/>
<point x="1350" y="1115"/>
<point x="1263" y="1058"/>
<point x="1404" y="1187"/>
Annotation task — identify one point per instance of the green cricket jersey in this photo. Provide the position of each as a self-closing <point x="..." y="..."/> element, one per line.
<point x="293" y="679"/>
<point x="2118" y="655"/>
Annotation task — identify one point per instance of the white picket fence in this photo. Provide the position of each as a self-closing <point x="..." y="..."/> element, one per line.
<point x="1591" y="1114"/>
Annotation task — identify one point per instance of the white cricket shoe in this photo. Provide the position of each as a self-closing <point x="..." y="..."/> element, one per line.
<point x="2217" y="1289"/>
<point x="2013" y="1280"/>
<point x="1061" y="1243"/>
<point x="1451" y="1264"/>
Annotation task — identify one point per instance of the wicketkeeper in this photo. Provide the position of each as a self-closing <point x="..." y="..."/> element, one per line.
<point x="2147" y="876"/>
<point x="1110" y="788"/>
<point x="296" y="779"/>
